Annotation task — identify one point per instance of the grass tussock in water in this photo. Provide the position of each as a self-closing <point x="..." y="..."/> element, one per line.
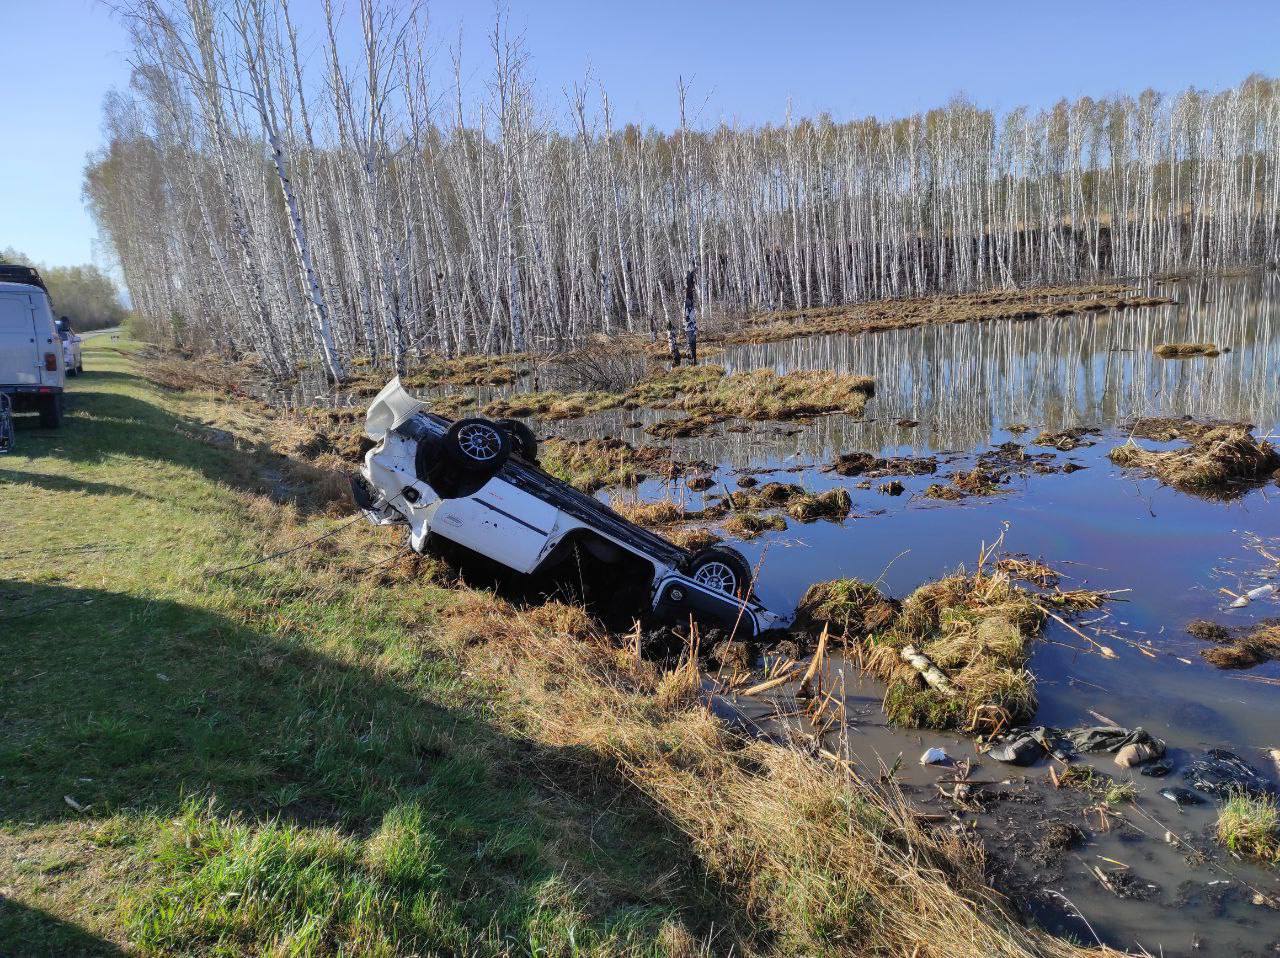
<point x="748" y="525"/>
<point x="1186" y="350"/>
<point x="847" y="607"/>
<point x="707" y="394"/>
<point x="834" y="505"/>
<point x="976" y="628"/>
<point x="1249" y="825"/>
<point x="1240" y="648"/>
<point x="593" y="464"/>
<point x="1086" y="778"/>
<point x="1219" y="462"/>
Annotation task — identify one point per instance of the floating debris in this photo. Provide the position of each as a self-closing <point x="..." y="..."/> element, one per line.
<point x="1222" y="773"/>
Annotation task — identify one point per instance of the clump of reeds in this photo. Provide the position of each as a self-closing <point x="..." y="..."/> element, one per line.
<point x="651" y="515"/>
<point x="593" y="464"/>
<point x="693" y="538"/>
<point x="1238" y="649"/>
<point x="748" y="525"/>
<point x="833" y="505"/>
<point x="1185" y="350"/>
<point x="1026" y="569"/>
<point x="1249" y="825"/>
<point x="1106" y="789"/>
<point x="682" y="427"/>
<point x="847" y="607"/>
<point x="1219" y="462"/>
<point x="554" y="405"/>
<point x="976" y="628"/>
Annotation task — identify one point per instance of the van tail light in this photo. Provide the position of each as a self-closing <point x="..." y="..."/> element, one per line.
<point x="51" y="362"/>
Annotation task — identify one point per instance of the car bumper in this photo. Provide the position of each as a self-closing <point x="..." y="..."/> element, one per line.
<point x="30" y="389"/>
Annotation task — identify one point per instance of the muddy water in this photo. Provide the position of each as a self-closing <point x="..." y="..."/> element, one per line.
<point x="1103" y="528"/>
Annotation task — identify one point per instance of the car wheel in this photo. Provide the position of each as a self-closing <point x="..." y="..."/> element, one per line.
<point x="721" y="569"/>
<point x="523" y="442"/>
<point x="477" y="445"/>
<point x="51" y="411"/>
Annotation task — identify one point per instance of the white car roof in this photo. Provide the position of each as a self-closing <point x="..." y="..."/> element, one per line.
<point x="26" y="289"/>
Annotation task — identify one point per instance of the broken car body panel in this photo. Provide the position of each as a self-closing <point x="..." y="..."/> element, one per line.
<point x="522" y="517"/>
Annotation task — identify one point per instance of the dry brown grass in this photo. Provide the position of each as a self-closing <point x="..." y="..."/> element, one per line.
<point x="707" y="395"/>
<point x="823" y="862"/>
<point x="1220" y="462"/>
<point x="651" y="515"/>
<point x="593" y="464"/>
<point x="849" y="608"/>
<point x="934" y="310"/>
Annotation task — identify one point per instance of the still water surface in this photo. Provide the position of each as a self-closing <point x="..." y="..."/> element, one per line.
<point x="1106" y="529"/>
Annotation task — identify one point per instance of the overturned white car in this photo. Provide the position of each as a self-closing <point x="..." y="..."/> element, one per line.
<point x="477" y="484"/>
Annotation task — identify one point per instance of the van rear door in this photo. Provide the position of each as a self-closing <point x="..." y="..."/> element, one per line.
<point x="18" y="348"/>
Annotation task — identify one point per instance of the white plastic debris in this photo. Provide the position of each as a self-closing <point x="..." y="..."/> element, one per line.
<point x="936" y="756"/>
<point x="1261" y="591"/>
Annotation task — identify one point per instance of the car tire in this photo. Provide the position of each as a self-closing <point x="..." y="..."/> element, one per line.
<point x="523" y="442"/>
<point x="722" y="569"/>
<point x="51" y="411"/>
<point x="477" y="446"/>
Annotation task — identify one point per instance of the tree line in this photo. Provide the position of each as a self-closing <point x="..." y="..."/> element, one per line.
<point x="86" y="295"/>
<point x="314" y="208"/>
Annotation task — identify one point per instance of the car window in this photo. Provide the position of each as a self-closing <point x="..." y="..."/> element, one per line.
<point x="15" y="315"/>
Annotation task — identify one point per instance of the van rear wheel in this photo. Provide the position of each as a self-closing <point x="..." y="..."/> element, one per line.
<point x="51" y="411"/>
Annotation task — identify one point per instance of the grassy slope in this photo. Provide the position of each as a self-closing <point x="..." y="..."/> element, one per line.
<point x="279" y="759"/>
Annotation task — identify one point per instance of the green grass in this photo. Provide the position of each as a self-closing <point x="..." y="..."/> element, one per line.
<point x="284" y="759"/>
<point x="1249" y="825"/>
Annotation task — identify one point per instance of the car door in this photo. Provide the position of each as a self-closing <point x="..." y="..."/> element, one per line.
<point x="499" y="521"/>
<point x="19" y="351"/>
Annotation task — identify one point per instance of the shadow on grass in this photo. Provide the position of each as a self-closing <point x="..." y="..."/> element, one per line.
<point x="102" y="424"/>
<point x="144" y="712"/>
<point x="27" y="932"/>
<point x="54" y="483"/>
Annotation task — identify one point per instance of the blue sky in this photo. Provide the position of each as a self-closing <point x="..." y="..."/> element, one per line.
<point x="745" y="59"/>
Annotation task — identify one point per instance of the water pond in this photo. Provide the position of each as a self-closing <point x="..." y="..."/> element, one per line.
<point x="972" y="387"/>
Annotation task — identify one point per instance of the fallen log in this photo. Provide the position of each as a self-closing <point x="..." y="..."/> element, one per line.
<point x="814" y="664"/>
<point x="933" y="676"/>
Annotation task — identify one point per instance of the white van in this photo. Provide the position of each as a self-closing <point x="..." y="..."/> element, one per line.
<point x="33" y="371"/>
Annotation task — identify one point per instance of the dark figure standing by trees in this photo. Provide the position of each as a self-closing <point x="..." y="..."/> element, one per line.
<point x="690" y="316"/>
